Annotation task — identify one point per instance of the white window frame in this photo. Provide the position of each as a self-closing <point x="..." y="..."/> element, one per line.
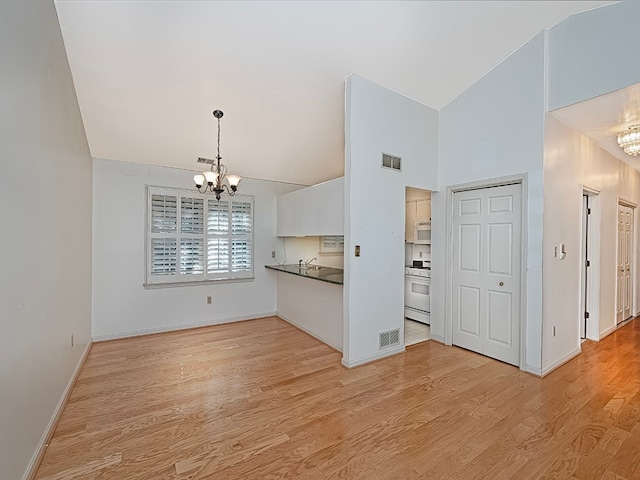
<point x="182" y="278"/>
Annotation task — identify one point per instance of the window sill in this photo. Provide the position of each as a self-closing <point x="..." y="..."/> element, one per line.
<point x="153" y="286"/>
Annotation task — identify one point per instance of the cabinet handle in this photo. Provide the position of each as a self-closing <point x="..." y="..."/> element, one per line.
<point x="501" y="284"/>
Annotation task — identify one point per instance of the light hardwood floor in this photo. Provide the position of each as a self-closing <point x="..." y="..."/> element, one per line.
<point x="262" y="400"/>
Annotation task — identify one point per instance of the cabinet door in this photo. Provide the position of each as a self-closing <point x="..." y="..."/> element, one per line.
<point x="410" y="221"/>
<point x="423" y="211"/>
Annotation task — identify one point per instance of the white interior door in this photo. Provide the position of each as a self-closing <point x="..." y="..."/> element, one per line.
<point x="624" y="280"/>
<point x="486" y="271"/>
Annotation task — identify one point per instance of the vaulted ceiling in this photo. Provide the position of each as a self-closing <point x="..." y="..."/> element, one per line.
<point x="148" y="74"/>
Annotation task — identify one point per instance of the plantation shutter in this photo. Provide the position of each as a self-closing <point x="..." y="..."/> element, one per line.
<point x="194" y="237"/>
<point x="164" y="221"/>
<point x="218" y="238"/>
<point x="241" y="236"/>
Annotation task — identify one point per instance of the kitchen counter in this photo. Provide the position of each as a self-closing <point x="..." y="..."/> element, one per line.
<point x="316" y="272"/>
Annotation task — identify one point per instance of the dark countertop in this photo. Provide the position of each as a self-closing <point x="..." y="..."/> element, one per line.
<point x="324" y="274"/>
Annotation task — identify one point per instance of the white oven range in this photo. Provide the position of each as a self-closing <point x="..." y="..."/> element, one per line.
<point x="417" y="287"/>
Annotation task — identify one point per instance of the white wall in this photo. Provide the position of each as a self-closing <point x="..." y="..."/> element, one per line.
<point x="572" y="160"/>
<point x="121" y="304"/>
<point x="313" y="306"/>
<point x="45" y="192"/>
<point x="312" y="211"/>
<point x="379" y="120"/>
<point x="495" y="129"/>
<point x="593" y="53"/>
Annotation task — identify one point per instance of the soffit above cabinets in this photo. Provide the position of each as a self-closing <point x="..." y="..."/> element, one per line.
<point x="602" y="118"/>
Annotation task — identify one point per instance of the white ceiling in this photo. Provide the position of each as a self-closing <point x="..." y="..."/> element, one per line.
<point x="148" y="74"/>
<point x="603" y="117"/>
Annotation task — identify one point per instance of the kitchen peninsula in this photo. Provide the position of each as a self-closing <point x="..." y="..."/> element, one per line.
<point x="310" y="298"/>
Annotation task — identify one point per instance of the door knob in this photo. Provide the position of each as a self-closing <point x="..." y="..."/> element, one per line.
<point x="501" y="284"/>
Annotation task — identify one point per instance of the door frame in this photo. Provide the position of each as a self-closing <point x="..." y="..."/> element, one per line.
<point x="634" y="206"/>
<point x="592" y="302"/>
<point x="521" y="179"/>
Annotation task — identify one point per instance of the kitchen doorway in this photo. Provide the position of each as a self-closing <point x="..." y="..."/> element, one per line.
<point x="417" y="263"/>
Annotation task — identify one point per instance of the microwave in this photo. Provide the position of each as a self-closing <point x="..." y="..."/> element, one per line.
<point x="422" y="233"/>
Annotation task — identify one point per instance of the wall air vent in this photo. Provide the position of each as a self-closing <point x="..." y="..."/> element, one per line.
<point x="391" y="161"/>
<point x="388" y="338"/>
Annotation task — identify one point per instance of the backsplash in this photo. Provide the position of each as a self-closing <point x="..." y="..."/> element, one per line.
<point x="416" y="252"/>
<point x="305" y="248"/>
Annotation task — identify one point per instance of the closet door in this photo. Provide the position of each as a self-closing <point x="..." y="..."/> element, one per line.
<point x="486" y="271"/>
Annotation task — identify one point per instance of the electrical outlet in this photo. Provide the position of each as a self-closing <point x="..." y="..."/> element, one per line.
<point x="273" y="254"/>
<point x="209" y="299"/>
<point x="72" y="339"/>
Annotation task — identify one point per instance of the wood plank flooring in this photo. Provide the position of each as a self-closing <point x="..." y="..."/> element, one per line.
<point x="262" y="400"/>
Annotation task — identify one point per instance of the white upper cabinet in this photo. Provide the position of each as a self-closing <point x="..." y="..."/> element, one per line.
<point x="423" y="210"/>
<point x="312" y="211"/>
<point x="415" y="211"/>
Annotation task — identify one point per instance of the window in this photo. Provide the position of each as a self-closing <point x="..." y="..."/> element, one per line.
<point x="332" y="244"/>
<point x="193" y="237"/>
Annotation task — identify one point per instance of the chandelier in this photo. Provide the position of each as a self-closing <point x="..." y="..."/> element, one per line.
<point x="629" y="141"/>
<point x="213" y="180"/>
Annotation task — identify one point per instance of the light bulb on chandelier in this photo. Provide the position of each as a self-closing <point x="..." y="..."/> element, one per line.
<point x="214" y="180"/>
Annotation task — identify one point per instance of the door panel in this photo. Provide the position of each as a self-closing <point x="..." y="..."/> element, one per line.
<point x="500" y="238"/>
<point x="499" y="324"/>
<point x="470" y="254"/>
<point x="486" y="271"/>
<point x="470" y="311"/>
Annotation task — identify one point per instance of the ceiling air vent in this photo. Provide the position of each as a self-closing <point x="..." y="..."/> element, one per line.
<point x="208" y="161"/>
<point x="388" y="338"/>
<point x="391" y="161"/>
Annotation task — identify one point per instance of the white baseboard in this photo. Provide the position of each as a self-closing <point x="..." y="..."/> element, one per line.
<point x="537" y="371"/>
<point x="371" y="358"/>
<point x="331" y="343"/>
<point x="53" y="422"/>
<point x="438" y="338"/>
<point x="549" y="368"/>
<point x="175" y="328"/>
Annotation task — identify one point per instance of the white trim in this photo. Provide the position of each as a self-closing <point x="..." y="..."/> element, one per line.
<point x="177" y="328"/>
<point x="627" y="203"/>
<point x="537" y="371"/>
<point x="609" y="331"/>
<point x="55" y="418"/>
<point x="437" y="338"/>
<point x="521" y="179"/>
<point x="549" y="368"/>
<point x="370" y="358"/>
<point x="331" y="343"/>
<point x="594" y="233"/>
